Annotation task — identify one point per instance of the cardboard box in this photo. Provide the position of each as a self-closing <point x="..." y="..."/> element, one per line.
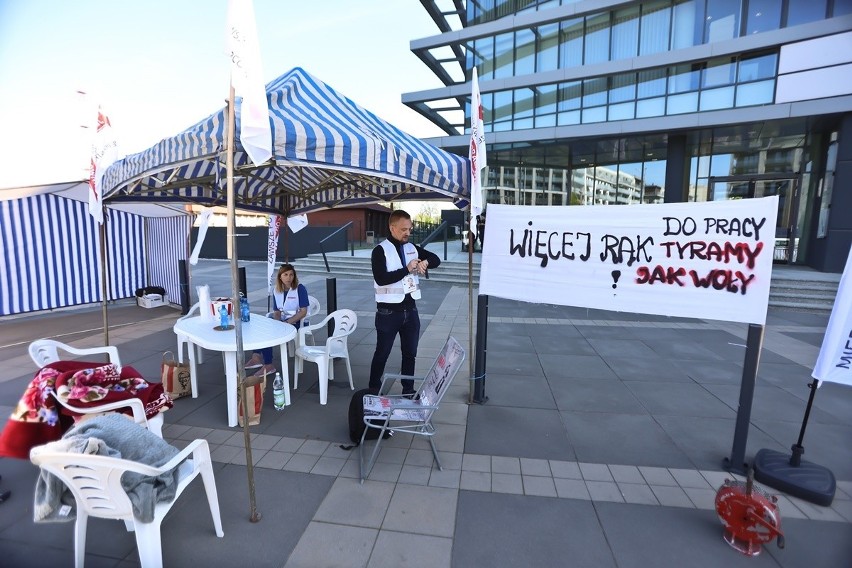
<point x="152" y="300"/>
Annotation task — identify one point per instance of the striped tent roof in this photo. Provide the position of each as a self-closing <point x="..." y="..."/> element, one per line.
<point x="327" y="151"/>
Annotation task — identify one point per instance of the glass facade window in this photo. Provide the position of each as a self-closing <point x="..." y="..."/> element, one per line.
<point x="684" y="78"/>
<point x="759" y="93"/>
<point x="763" y="16"/>
<point x="722" y="20"/>
<point x="757" y="67"/>
<point x="716" y="99"/>
<point x="655" y="27"/>
<point x="596" y="48"/>
<point x="571" y="43"/>
<point x="686" y="24"/>
<point x="718" y="72"/>
<point x="504" y="55"/>
<point x="547" y="54"/>
<point x="524" y="52"/>
<point x="625" y="33"/>
<point x="805" y="11"/>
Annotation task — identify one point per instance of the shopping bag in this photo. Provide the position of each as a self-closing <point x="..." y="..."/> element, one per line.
<point x="175" y="376"/>
<point x="255" y="387"/>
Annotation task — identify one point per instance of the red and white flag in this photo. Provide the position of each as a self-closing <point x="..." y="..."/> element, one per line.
<point x="272" y="249"/>
<point x="104" y="154"/>
<point x="247" y="79"/>
<point x="478" y="159"/>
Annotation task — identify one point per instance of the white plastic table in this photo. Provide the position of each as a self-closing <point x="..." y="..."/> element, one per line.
<point x="258" y="333"/>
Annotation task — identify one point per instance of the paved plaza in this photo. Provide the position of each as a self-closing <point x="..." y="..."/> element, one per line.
<point x="601" y="444"/>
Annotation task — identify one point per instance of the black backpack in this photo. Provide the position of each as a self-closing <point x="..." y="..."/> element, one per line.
<point x="356" y="419"/>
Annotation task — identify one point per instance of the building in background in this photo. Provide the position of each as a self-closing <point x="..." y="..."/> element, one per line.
<point x="605" y="102"/>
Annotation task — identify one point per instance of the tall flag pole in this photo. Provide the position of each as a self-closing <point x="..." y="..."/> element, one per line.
<point x="256" y="138"/>
<point x="247" y="80"/>
<point x="104" y="154"/>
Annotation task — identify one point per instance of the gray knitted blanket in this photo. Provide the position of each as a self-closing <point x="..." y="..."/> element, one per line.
<point x="109" y="435"/>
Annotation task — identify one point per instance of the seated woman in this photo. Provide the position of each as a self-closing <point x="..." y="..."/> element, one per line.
<point x="290" y="305"/>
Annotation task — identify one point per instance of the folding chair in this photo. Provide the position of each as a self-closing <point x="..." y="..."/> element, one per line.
<point x="410" y="416"/>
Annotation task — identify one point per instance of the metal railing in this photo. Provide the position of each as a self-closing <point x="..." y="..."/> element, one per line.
<point x="442" y="228"/>
<point x="322" y="244"/>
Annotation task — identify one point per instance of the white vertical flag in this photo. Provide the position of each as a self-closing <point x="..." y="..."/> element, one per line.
<point x="478" y="160"/>
<point x="834" y="363"/>
<point x="272" y="249"/>
<point x="104" y="153"/>
<point x="247" y="79"/>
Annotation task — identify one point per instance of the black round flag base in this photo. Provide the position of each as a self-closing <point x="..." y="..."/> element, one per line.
<point x="807" y="481"/>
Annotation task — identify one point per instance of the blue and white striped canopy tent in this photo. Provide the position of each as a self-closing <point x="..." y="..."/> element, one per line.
<point x="327" y="151"/>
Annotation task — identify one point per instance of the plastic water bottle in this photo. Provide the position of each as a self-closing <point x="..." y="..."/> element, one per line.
<point x="223" y="316"/>
<point x="245" y="314"/>
<point x="278" y="393"/>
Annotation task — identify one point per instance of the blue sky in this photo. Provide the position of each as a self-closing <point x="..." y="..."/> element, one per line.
<point x="158" y="66"/>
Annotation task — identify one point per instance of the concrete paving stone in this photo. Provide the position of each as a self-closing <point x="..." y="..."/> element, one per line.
<point x="392" y="455"/>
<point x="701" y="498"/>
<point x="475" y="480"/>
<point x="565" y="469"/>
<point x="839" y="493"/>
<point x="816" y="512"/>
<point x="507" y="483"/>
<point x="658" y="476"/>
<point x="423" y="458"/>
<point x="350" y="470"/>
<point x="450" y="460"/>
<point x="405" y="550"/>
<point x="814" y="545"/>
<point x="175" y="431"/>
<point x="502" y="464"/>
<point x="274" y="460"/>
<point x="288" y="445"/>
<point x="301" y="462"/>
<point x="571" y="489"/>
<point x="671" y="496"/>
<point x="716" y="479"/>
<point x="225" y="454"/>
<point x="604" y="491"/>
<point x="565" y="531"/>
<point x="845" y="486"/>
<point x="595" y="472"/>
<point x="422" y="510"/>
<point x="335" y="451"/>
<point x="843" y="508"/>
<point x="414" y="475"/>
<point x="341" y="546"/>
<point x="220" y="436"/>
<point x="788" y="509"/>
<point x="448" y="478"/>
<point x="240" y="457"/>
<point x="541" y="486"/>
<point x="264" y="441"/>
<point x="349" y="502"/>
<point x="538" y="467"/>
<point x="476" y="462"/>
<point x="385" y="472"/>
<point x="689" y="478"/>
<point x="328" y="466"/>
<point x="451" y="413"/>
<point x="196" y="432"/>
<point x="626" y="474"/>
<point x="638" y="493"/>
<point x="311" y="447"/>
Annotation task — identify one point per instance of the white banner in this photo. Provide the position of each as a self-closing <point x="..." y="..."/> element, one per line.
<point x="834" y="363"/>
<point x="204" y="222"/>
<point x="702" y="260"/>
<point x="297" y="222"/>
<point x="247" y="79"/>
<point x="272" y="249"/>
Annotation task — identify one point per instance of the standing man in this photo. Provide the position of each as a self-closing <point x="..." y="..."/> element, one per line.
<point x="397" y="265"/>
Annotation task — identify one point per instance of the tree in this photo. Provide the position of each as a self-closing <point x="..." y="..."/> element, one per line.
<point x="428" y="214"/>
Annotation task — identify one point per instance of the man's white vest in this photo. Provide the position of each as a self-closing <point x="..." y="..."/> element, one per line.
<point x="395" y="293"/>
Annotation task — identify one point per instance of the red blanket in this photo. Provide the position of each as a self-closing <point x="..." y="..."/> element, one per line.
<point x="39" y="419"/>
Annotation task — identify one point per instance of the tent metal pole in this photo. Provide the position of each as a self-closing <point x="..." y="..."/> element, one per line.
<point x="470" y="342"/>
<point x="254" y="516"/>
<point x="104" y="274"/>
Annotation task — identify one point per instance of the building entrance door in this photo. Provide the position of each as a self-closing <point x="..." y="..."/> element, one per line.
<point x="786" y="187"/>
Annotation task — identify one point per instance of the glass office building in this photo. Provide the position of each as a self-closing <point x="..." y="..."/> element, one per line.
<point x="604" y="102"/>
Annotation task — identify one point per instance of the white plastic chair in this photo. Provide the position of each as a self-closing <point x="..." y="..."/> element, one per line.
<point x="314" y="308"/>
<point x="95" y="482"/>
<point x="336" y="347"/>
<point x="44" y="351"/>
<point x="195" y="352"/>
<point x="412" y="416"/>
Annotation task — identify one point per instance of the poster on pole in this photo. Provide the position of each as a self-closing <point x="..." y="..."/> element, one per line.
<point x="708" y="260"/>
<point x="834" y="363"/>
